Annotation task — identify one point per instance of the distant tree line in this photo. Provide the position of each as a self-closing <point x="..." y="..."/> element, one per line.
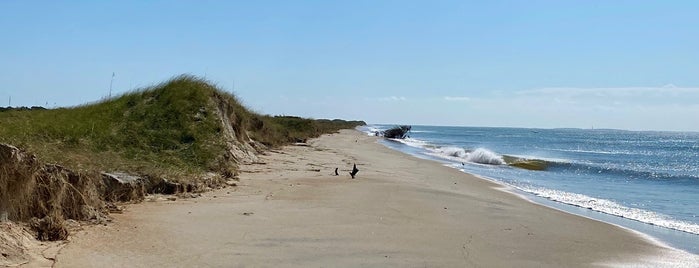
<point x="22" y="108"/>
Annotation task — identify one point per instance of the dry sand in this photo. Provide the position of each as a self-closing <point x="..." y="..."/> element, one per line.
<point x="400" y="212"/>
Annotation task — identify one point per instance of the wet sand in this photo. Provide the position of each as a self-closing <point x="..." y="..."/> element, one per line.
<point x="400" y="211"/>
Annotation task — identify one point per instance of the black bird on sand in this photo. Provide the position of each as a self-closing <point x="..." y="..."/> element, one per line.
<point x="336" y="172"/>
<point x="354" y="171"/>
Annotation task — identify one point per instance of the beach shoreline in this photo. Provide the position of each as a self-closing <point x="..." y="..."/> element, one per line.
<point x="603" y="183"/>
<point x="290" y="210"/>
<point x="527" y="197"/>
<point x="682" y="257"/>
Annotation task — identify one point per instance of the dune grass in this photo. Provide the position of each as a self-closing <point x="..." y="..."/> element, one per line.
<point x="171" y="128"/>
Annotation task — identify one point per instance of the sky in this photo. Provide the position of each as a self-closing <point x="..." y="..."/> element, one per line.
<point x="540" y="64"/>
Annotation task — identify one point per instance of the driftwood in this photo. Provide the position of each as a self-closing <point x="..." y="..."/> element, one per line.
<point x="354" y="171"/>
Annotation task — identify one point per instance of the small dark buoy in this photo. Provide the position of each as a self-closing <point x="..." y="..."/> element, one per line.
<point x="354" y="171"/>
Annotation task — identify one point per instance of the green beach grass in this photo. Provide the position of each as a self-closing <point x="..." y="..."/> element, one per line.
<point x="171" y="128"/>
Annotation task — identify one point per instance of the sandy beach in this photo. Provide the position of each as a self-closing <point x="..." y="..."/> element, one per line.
<point x="291" y="211"/>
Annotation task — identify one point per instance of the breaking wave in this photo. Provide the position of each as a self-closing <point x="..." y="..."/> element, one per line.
<point x="478" y="156"/>
<point x="484" y="156"/>
<point x="612" y="208"/>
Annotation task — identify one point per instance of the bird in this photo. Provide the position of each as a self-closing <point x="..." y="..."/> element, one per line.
<point x="336" y="174"/>
<point x="354" y="171"/>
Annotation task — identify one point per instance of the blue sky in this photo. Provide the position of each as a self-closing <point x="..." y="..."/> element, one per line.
<point x="607" y="64"/>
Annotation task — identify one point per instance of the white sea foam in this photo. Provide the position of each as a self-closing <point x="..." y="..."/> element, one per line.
<point x="458" y="154"/>
<point x="411" y="142"/>
<point x="452" y="151"/>
<point x="612" y="208"/>
<point x="484" y="156"/>
<point x="478" y="156"/>
<point x="371" y="130"/>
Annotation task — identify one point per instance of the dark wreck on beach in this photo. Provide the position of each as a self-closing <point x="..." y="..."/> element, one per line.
<point x="397" y="132"/>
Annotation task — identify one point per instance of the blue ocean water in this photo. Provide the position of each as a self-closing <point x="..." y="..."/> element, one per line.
<point x="646" y="181"/>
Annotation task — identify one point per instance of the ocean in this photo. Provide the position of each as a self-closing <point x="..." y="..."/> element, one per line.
<point x="641" y="180"/>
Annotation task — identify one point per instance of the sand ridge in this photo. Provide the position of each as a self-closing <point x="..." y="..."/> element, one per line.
<point x="289" y="210"/>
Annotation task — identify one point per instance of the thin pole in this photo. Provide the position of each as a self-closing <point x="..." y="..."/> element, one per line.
<point x="110" y="86"/>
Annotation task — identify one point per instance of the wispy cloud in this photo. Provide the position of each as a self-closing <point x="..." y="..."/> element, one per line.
<point x="451" y="98"/>
<point x="668" y="94"/>
<point x="666" y="90"/>
<point x="658" y="108"/>
<point x="390" y="98"/>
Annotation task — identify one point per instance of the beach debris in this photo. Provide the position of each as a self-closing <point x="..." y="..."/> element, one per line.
<point x="164" y="186"/>
<point x="49" y="228"/>
<point x="336" y="174"/>
<point x="189" y="195"/>
<point x="397" y="132"/>
<point x="113" y="208"/>
<point x="248" y="213"/>
<point x="354" y="171"/>
<point x="123" y="187"/>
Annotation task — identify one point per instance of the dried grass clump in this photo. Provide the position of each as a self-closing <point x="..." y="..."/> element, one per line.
<point x="45" y="195"/>
<point x="17" y="172"/>
<point x="70" y="194"/>
<point x="49" y="228"/>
